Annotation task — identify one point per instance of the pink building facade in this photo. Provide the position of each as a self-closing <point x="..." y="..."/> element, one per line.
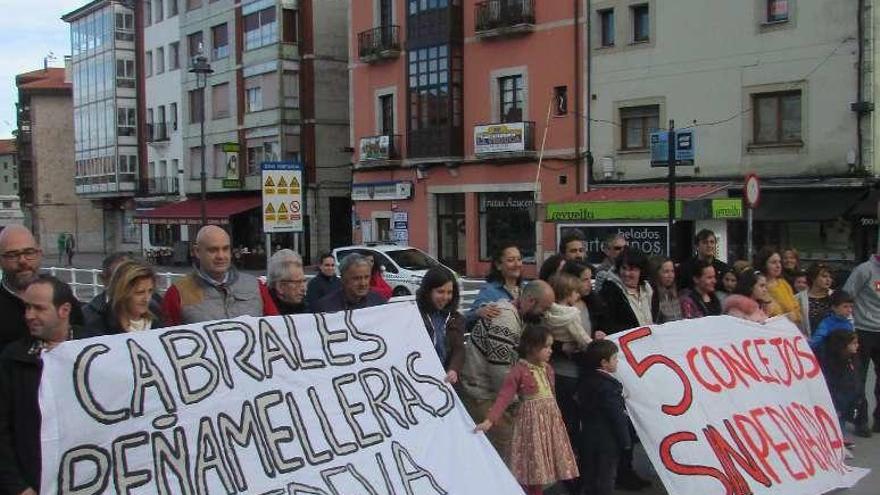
<point x="453" y="104"/>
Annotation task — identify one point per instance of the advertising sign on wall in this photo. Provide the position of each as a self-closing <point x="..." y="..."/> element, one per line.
<point x="500" y="138"/>
<point x="650" y="238"/>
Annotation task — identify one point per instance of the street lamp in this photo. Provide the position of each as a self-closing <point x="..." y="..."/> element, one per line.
<point x="201" y="68"/>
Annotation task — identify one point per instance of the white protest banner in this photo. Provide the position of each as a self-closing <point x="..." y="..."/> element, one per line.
<point x="344" y="403"/>
<point x="724" y="405"/>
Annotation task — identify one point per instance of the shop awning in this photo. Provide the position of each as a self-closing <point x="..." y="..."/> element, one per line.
<point x="188" y="212"/>
<point x="867" y="206"/>
<point x="807" y="205"/>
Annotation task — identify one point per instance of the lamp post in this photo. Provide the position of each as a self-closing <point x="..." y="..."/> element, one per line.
<point x="201" y="68"/>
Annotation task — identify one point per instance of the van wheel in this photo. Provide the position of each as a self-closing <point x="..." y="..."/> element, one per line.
<point x="400" y="291"/>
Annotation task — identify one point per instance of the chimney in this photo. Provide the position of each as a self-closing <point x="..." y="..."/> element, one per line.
<point x="67" y="62"/>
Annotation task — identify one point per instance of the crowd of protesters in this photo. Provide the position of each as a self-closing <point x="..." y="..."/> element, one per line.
<point x="540" y="344"/>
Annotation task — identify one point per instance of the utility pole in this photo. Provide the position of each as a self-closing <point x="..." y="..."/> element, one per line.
<point x="671" y="180"/>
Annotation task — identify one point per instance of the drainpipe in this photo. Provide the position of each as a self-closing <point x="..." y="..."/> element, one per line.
<point x="589" y="95"/>
<point x="577" y="97"/>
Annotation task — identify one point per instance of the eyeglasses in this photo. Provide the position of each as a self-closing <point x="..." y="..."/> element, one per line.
<point x="29" y="254"/>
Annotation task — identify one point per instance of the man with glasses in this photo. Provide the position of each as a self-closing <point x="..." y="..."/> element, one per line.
<point x="20" y="258"/>
<point x="287" y="282"/>
<point x="612" y="246"/>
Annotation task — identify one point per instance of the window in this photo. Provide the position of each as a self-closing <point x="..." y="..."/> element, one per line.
<point x="560" y="100"/>
<point x="193" y="4"/>
<point x="160" y="10"/>
<point x="218" y="162"/>
<point x="606" y="27"/>
<point x="172" y="109"/>
<point x="386" y="107"/>
<point x="254" y="158"/>
<point x="777" y="11"/>
<point x="289" y="27"/>
<point x="125" y="121"/>
<point x="219" y="42"/>
<point x="253" y="99"/>
<point x="510" y="98"/>
<point x="429" y="85"/>
<point x="194" y="44"/>
<point x="196" y="106"/>
<point x="417" y="6"/>
<point x="260" y="29"/>
<point x="172" y="8"/>
<point x="124" y="22"/>
<point x="220" y="101"/>
<point x="507" y="216"/>
<point x="174" y="56"/>
<point x="637" y="124"/>
<point x="148" y="64"/>
<point x="160" y="60"/>
<point x="290" y="85"/>
<point x="641" y="23"/>
<point x="125" y="73"/>
<point x="195" y="162"/>
<point x="148" y="12"/>
<point x="777" y="118"/>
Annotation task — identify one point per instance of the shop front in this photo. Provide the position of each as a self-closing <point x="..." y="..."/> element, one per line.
<point x="172" y="226"/>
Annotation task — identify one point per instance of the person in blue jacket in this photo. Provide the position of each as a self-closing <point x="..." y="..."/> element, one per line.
<point x="840" y="318"/>
<point x="502" y="284"/>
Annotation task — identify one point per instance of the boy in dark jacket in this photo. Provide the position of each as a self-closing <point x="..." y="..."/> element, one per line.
<point x="605" y="431"/>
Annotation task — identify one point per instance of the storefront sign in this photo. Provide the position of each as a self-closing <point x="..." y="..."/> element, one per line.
<point x="381" y="191"/>
<point x="611" y="210"/>
<point x="725" y="405"/>
<point x="375" y="148"/>
<point x="231" y="181"/>
<point x="400" y="227"/>
<point x="650" y="238"/>
<point x="337" y="403"/>
<point x="500" y="138"/>
<point x="282" y="197"/>
<point x="727" y="208"/>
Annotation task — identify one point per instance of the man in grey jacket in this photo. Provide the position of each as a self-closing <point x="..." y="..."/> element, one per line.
<point x="864" y="285"/>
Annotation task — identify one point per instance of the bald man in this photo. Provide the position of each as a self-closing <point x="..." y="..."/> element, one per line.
<point x="491" y="353"/>
<point x="20" y="258"/>
<point x="215" y="290"/>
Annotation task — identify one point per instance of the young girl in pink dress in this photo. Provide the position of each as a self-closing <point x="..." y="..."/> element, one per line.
<point x="540" y="451"/>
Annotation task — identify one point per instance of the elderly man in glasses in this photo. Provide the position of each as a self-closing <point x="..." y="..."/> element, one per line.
<point x="20" y="258"/>
<point x="287" y="282"/>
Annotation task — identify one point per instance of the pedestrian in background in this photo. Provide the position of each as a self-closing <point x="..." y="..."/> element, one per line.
<point x="324" y="282"/>
<point x="287" y="282"/>
<point x="129" y="298"/>
<point x="864" y="285"/>
<point x="377" y="280"/>
<point x="69" y="248"/>
<point x="438" y="298"/>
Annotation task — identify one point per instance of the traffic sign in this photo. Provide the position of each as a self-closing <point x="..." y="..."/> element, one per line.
<point x="752" y="191"/>
<point x="282" y="202"/>
<point x="685" y="148"/>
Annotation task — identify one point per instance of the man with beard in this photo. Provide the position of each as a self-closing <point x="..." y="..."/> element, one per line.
<point x="491" y="353"/>
<point x="20" y="258"/>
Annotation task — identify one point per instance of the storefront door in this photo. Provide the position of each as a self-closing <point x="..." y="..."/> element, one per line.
<point x="451" y="231"/>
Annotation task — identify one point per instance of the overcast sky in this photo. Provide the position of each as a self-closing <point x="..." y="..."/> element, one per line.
<point x="29" y="30"/>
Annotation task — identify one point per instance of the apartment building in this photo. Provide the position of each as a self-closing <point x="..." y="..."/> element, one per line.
<point x="46" y="166"/>
<point x="8" y="168"/>
<point x="161" y="63"/>
<point x="276" y="91"/>
<point x="452" y="101"/>
<point x="451" y="104"/>
<point x="104" y="75"/>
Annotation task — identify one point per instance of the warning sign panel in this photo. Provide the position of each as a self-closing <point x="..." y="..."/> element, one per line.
<point x="282" y="189"/>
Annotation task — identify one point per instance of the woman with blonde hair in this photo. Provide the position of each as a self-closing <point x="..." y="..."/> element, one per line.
<point x="129" y="296"/>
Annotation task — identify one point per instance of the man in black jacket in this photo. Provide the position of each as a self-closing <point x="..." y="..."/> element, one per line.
<point x="325" y="282"/>
<point x="49" y="304"/>
<point x="706" y="245"/>
<point x="20" y="258"/>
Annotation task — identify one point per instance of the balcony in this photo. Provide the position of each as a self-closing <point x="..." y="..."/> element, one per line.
<point x="157" y="186"/>
<point x="502" y="141"/>
<point x="106" y="185"/>
<point x="377" y="44"/>
<point x="441" y="143"/>
<point x="500" y="18"/>
<point x="379" y="151"/>
<point x="157" y="133"/>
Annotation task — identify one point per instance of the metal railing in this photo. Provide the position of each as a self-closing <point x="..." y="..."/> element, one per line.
<point x="379" y="42"/>
<point x="86" y="284"/>
<point x="495" y="14"/>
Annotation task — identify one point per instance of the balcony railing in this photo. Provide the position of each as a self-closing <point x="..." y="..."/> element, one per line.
<point x="157" y="132"/>
<point x="379" y="150"/>
<point x="504" y="17"/>
<point x="162" y="185"/>
<point x="504" y="140"/>
<point x="380" y="43"/>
